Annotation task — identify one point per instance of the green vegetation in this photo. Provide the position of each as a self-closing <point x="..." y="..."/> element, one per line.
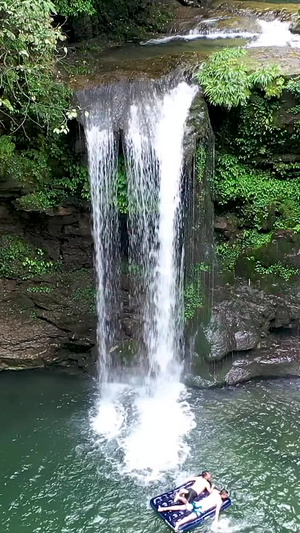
<point x="257" y="133"/>
<point x="44" y="289"/>
<point x="18" y="259"/>
<point x="35" y="109"/>
<point x="277" y="269"/>
<point x="87" y="297"/>
<point x="247" y="242"/>
<point x="47" y="170"/>
<point x="201" y="162"/>
<point x="228" y="81"/>
<point x="260" y="200"/>
<point x="75" y="7"/>
<point x="257" y="175"/>
<point x="120" y="19"/>
<point x="122" y="187"/>
<point x="194" y="296"/>
<point x="193" y="299"/>
<point x="30" y="94"/>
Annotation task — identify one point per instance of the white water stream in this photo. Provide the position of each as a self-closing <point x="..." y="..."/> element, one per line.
<point x="146" y="420"/>
<point x="154" y="148"/>
<point x="102" y="168"/>
<point x="273" y="33"/>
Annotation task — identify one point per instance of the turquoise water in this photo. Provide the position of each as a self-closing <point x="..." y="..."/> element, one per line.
<point x="57" y="475"/>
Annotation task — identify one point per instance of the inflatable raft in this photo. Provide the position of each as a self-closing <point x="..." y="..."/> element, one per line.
<point x="171" y="517"/>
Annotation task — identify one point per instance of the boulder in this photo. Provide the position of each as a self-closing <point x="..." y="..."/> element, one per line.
<point x="241" y="321"/>
<point x="295" y="26"/>
<point x="280" y="359"/>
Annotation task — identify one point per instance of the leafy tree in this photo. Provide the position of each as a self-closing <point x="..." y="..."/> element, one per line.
<point x="29" y="92"/>
<point x="119" y="19"/>
<point x="75" y="7"/>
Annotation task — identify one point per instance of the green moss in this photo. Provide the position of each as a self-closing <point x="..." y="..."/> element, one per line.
<point x="18" y="259"/>
<point x="87" y="297"/>
<point x="122" y="187"/>
<point x="277" y="269"/>
<point x="193" y="299"/>
<point x="194" y="296"/>
<point x="201" y="163"/>
<point x="44" y="289"/>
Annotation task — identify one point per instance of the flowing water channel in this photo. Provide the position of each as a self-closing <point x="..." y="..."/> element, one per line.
<point x="57" y="475"/>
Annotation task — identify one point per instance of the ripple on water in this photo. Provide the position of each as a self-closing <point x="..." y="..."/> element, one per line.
<point x="58" y="476"/>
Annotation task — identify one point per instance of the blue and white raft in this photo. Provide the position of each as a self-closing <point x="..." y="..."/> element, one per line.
<point x="171" y="517"/>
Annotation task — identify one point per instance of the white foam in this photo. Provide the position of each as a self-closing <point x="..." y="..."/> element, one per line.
<point x="148" y="429"/>
<point x="228" y="525"/>
<point x="156" y="444"/>
<point x="275" y="33"/>
<point x="110" y="413"/>
<point x="196" y="34"/>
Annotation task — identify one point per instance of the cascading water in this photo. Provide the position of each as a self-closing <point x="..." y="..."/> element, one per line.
<point x="269" y="33"/>
<point x="154" y="148"/>
<point x="128" y="416"/>
<point x="102" y="169"/>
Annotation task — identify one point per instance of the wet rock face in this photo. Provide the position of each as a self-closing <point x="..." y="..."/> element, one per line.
<point x="270" y="351"/>
<point x="191" y="3"/>
<point x="295" y="27"/>
<point x="242" y="321"/>
<point x="49" y="318"/>
<point x="280" y="359"/>
<point x="51" y="321"/>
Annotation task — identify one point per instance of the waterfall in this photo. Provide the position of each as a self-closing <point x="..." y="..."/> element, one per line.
<point x="152" y="117"/>
<point x="101" y="146"/>
<point x="154" y="149"/>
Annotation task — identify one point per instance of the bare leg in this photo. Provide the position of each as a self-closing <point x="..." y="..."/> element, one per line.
<point x="181" y="498"/>
<point x="185" y="520"/>
<point x="171" y="508"/>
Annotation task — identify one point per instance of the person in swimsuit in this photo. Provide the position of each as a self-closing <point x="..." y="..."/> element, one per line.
<point x="213" y="500"/>
<point x="201" y="483"/>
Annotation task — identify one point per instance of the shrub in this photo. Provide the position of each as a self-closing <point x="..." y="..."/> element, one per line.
<point x="228" y="81"/>
<point x="261" y="200"/>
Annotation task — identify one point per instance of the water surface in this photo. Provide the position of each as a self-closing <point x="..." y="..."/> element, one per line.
<point x="57" y="475"/>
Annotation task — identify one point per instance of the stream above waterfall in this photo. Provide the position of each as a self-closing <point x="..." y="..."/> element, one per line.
<point x="58" y="475"/>
<point x="267" y="41"/>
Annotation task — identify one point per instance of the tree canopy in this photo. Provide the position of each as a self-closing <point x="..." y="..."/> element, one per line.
<point x="29" y="92"/>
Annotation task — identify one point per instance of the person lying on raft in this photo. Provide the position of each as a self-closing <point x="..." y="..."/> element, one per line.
<point x="201" y="483"/>
<point x="214" y="500"/>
